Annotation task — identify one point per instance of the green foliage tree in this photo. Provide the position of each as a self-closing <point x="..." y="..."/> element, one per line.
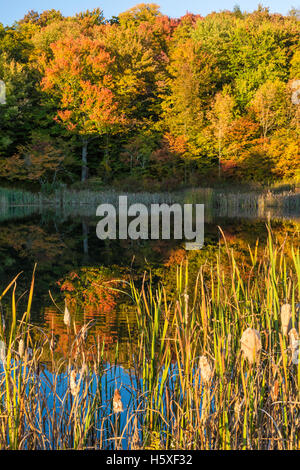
<point x="220" y="116"/>
<point x="268" y="105"/>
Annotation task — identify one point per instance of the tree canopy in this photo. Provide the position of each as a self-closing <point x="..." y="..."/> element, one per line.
<point x="147" y="99"/>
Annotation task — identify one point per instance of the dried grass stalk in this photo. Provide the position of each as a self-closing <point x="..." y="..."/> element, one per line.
<point x="52" y="344"/>
<point x="135" y="441"/>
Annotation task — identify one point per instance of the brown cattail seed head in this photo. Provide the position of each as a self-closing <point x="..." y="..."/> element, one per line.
<point x="117" y="402"/>
<point x="286" y="318"/>
<point x="294" y="340"/>
<point x="135" y="441"/>
<point x="67" y="316"/>
<point x="73" y="385"/>
<point x="237" y="408"/>
<point x="251" y="344"/>
<point x="294" y="345"/>
<point x="205" y="369"/>
<point x="21" y="347"/>
<point x="2" y="352"/>
<point x="275" y="390"/>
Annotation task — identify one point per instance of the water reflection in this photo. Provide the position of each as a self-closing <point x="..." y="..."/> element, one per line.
<point x="75" y="265"/>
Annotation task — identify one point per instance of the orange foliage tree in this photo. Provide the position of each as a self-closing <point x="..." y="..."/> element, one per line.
<point x="78" y="76"/>
<point x="38" y="161"/>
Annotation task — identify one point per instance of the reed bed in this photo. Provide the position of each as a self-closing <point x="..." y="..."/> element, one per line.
<point x="214" y="367"/>
<point x="218" y="369"/>
<point x="247" y="204"/>
<point x="221" y="203"/>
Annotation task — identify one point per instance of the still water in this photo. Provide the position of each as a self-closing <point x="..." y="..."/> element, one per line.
<point x="73" y="263"/>
<point x="93" y="276"/>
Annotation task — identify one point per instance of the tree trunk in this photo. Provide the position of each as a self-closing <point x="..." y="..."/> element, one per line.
<point x="84" y="169"/>
<point x="85" y="239"/>
<point x="220" y="153"/>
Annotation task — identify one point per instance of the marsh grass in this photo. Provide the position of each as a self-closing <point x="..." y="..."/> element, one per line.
<point x="219" y="202"/>
<point x="244" y="404"/>
<point x="189" y="385"/>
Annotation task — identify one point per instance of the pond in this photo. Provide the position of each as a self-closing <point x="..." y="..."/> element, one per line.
<point x="62" y="240"/>
<point x="93" y="277"/>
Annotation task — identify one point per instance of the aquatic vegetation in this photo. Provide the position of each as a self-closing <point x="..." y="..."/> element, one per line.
<point x="284" y="203"/>
<point x="205" y="369"/>
<point x="251" y="344"/>
<point x="117" y="402"/>
<point x="210" y="366"/>
<point x="67" y="316"/>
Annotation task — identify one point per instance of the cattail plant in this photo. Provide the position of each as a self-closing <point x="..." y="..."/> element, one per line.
<point x="21" y="349"/>
<point x="83" y="333"/>
<point x="251" y="345"/>
<point x="67" y="316"/>
<point x="205" y="369"/>
<point x="176" y="398"/>
<point x="275" y="390"/>
<point x="74" y="386"/>
<point x="2" y="352"/>
<point x="135" y="439"/>
<point x="117" y="402"/>
<point x="286" y="318"/>
<point x="293" y="341"/>
<point x="52" y="344"/>
<point x="237" y="408"/>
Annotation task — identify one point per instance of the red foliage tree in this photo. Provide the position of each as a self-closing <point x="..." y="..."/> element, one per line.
<point x="79" y="77"/>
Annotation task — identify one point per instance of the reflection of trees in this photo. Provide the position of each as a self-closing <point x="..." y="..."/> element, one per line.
<point x="239" y="235"/>
<point x="85" y="241"/>
<point x="93" y="294"/>
<point x="60" y="247"/>
<point x="31" y="241"/>
<point x="94" y="290"/>
<point x="109" y="330"/>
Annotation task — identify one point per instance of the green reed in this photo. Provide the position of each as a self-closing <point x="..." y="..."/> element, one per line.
<point x="191" y="386"/>
<point x="242" y="405"/>
<point x="33" y="412"/>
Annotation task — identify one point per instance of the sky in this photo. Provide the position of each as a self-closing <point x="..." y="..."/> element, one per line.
<point x="14" y="10"/>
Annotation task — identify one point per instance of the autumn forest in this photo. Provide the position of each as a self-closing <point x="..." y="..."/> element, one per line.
<point x="147" y="101"/>
<point x="133" y="341"/>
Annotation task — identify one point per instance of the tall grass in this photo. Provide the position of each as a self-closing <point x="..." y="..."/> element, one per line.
<point x="189" y="386"/>
<point x="234" y="404"/>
